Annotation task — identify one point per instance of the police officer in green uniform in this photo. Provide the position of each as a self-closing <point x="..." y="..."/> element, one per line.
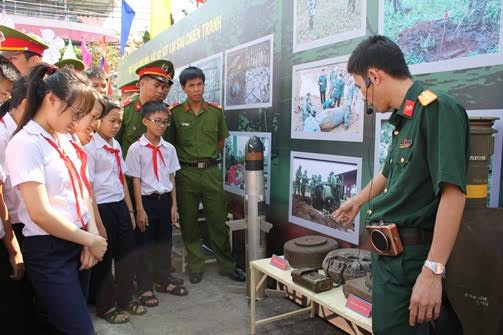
<point x="421" y="189"/>
<point x="198" y="131"/>
<point x="23" y="50"/>
<point x="155" y="78"/>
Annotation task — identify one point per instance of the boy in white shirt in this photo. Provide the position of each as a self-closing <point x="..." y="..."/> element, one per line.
<point x="151" y="162"/>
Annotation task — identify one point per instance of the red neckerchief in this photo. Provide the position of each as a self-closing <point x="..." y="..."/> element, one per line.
<point x="156" y="150"/>
<point x="116" y="153"/>
<point x="72" y="171"/>
<point x="81" y="154"/>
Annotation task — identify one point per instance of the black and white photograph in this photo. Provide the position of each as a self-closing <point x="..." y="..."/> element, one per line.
<point x="248" y="75"/>
<point x="319" y="184"/>
<point x="326" y="104"/>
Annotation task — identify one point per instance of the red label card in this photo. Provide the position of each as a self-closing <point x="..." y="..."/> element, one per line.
<point x="279" y="262"/>
<point x="359" y="306"/>
<point x="408" y="109"/>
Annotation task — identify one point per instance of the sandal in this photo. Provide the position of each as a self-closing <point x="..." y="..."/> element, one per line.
<point x="172" y="288"/>
<point x="135" y="307"/>
<point x="175" y="280"/>
<point x="149" y="300"/>
<point x="114" y="317"/>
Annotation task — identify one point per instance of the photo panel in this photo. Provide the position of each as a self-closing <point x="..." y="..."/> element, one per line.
<point x="176" y="93"/>
<point x="383" y="136"/>
<point x="326" y="104"/>
<point x="234" y="162"/>
<point x="212" y="68"/>
<point x="321" y="22"/>
<point x="444" y="35"/>
<point x="319" y="184"/>
<point x="249" y="74"/>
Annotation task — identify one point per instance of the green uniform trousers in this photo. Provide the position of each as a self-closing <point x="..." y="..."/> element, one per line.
<point x="392" y="281"/>
<point x="193" y="186"/>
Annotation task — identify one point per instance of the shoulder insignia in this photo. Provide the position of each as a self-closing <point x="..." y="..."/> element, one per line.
<point x="174" y="105"/>
<point x="427" y="97"/>
<point x="214" y="104"/>
<point x="126" y="102"/>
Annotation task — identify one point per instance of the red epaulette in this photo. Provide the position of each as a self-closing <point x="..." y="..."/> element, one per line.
<point x="214" y="104"/>
<point x="130" y="99"/>
<point x="174" y="105"/>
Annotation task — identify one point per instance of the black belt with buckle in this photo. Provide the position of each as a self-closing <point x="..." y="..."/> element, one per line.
<point x="201" y="165"/>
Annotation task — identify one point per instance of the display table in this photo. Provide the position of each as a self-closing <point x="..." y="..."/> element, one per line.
<point x="332" y="300"/>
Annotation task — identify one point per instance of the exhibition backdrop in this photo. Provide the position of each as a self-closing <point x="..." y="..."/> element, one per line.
<point x="279" y="68"/>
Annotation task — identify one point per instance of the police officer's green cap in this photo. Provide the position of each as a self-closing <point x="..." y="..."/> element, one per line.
<point x="131" y="86"/>
<point x="14" y="40"/>
<point x="161" y="69"/>
<point x="71" y="63"/>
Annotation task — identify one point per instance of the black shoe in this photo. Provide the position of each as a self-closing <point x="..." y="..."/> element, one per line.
<point x="195" y="277"/>
<point x="237" y="275"/>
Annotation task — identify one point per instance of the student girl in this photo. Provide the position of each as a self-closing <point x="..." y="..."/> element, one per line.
<point x="61" y="238"/>
<point x="106" y="171"/>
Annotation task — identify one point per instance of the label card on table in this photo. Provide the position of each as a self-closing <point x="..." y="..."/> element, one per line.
<point x="358" y="305"/>
<point x="279" y="262"/>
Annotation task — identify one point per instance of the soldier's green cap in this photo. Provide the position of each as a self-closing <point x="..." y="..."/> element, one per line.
<point x="14" y="40"/>
<point x="161" y="69"/>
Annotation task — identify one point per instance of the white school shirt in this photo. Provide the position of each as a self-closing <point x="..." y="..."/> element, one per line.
<point x="140" y="165"/>
<point x="33" y="159"/>
<point x="11" y="196"/>
<point x="2" y="178"/>
<point x="104" y="171"/>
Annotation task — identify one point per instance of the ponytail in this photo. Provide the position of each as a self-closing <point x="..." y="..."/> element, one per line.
<point x="66" y="84"/>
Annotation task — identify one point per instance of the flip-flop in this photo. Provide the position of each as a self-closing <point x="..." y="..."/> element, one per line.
<point x="175" y="290"/>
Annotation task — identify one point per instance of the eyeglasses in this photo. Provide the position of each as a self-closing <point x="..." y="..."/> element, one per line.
<point x="160" y="123"/>
<point x="77" y="114"/>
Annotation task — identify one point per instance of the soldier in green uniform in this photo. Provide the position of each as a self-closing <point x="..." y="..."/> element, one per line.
<point x="198" y="131"/>
<point x="421" y="189"/>
<point x="298" y="178"/>
<point x="303" y="184"/>
<point x="322" y="84"/>
<point x="154" y="78"/>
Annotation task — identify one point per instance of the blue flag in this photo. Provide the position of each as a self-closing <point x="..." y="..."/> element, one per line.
<point x="127" y="17"/>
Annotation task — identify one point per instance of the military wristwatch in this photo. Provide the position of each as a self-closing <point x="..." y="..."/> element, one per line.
<point x="436" y="268"/>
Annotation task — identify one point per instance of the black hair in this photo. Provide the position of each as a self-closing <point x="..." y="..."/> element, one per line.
<point x="110" y="104"/>
<point x="30" y="54"/>
<point x="18" y="94"/>
<point x="95" y="72"/>
<point x="381" y="53"/>
<point x="190" y="73"/>
<point x="98" y="97"/>
<point x="152" y="107"/>
<point x="66" y="84"/>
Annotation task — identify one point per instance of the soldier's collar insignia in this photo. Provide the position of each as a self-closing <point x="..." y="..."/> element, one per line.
<point x="405" y="144"/>
<point x="138" y="106"/>
<point x="408" y="108"/>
